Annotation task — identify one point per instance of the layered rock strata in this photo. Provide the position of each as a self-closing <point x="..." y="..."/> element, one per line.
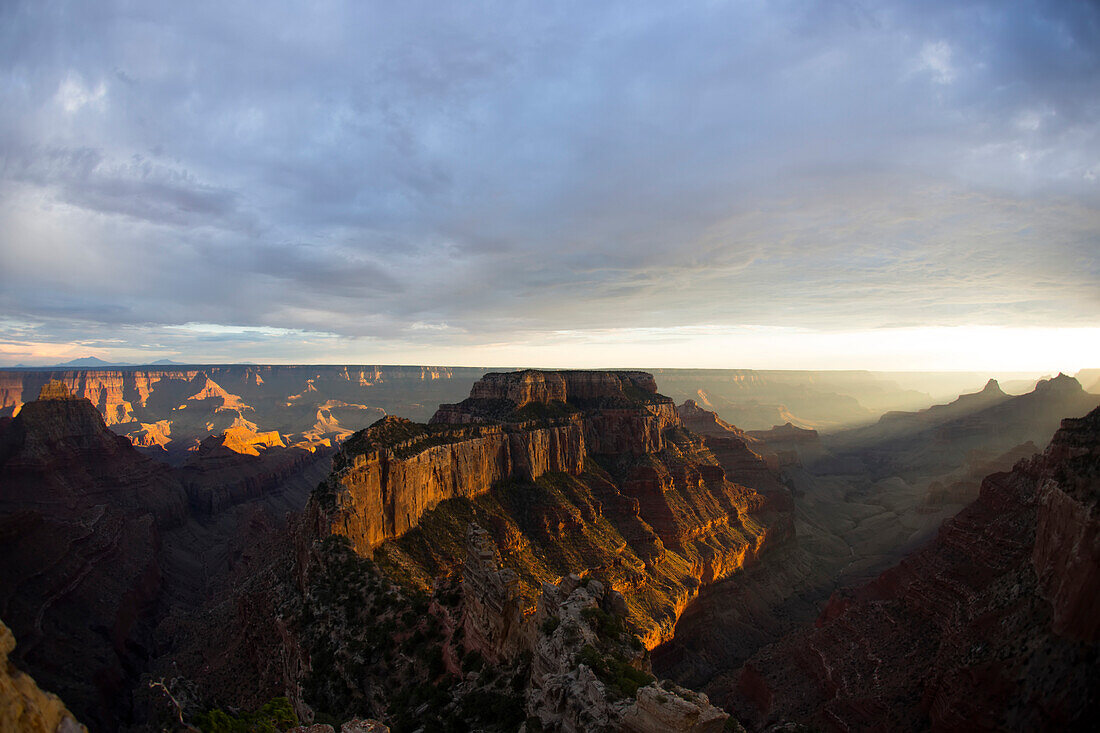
<point x="380" y="487"/>
<point x="493" y="618"/>
<point x="388" y="476"/>
<point x="168" y="411"/>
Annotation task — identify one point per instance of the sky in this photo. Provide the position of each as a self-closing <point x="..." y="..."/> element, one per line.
<point x="744" y="184"/>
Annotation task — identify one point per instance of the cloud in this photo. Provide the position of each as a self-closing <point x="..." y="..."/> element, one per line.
<point x="73" y="94"/>
<point x="426" y="174"/>
<point x="935" y="57"/>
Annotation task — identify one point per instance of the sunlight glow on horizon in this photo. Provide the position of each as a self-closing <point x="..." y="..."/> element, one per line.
<point x="953" y="348"/>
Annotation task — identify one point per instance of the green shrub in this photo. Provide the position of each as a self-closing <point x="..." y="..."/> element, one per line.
<point x="606" y="625"/>
<point x="616" y="673"/>
<point x="275" y="715"/>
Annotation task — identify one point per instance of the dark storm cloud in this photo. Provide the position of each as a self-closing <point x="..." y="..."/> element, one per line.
<point x="437" y="173"/>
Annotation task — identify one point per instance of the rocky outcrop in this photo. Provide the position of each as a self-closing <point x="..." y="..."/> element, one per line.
<point x="793" y="445"/>
<point x="23" y="706"/>
<point x="579" y="669"/>
<point x="660" y="524"/>
<point x="985" y="628"/>
<point x="576" y="387"/>
<point x="386" y="477"/>
<point x="669" y="708"/>
<point x="620" y="412"/>
<point x="581" y="529"/>
<point x="493" y="618"/>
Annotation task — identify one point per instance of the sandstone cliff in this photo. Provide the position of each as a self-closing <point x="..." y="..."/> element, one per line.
<point x="654" y="508"/>
<point x="575" y="473"/>
<point x="514" y="426"/>
<point x="381" y="486"/>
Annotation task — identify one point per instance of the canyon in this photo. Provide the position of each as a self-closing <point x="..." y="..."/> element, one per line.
<point x="565" y="550"/>
<point x="98" y="542"/>
<point x="169" y="411"/>
<point x="989" y="627"/>
<point x="864" y="498"/>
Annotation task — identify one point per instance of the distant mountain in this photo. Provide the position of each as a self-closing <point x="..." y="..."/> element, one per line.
<point x="899" y="424"/>
<point x="89" y="361"/>
<point x="940" y="439"/>
<point x="92" y="362"/>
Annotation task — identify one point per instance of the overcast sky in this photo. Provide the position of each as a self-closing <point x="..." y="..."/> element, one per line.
<point x="743" y="184"/>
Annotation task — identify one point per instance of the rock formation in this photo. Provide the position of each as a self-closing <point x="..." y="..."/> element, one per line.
<point x="23" y="706"/>
<point x="793" y="445"/>
<point x="389" y="475"/>
<point x="585" y="672"/>
<point x="168" y="411"/>
<point x="989" y="627"/>
<point x="559" y="499"/>
<point x="493" y="618"/>
<point x="666" y="491"/>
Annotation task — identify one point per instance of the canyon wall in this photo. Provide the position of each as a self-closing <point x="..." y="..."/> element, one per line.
<point x="81" y="520"/>
<point x="610" y="482"/>
<point x="990" y="627"/>
<point x="382" y="492"/>
<point x="386" y="477"/>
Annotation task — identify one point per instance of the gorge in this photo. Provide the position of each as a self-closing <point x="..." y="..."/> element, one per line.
<point x="540" y="554"/>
